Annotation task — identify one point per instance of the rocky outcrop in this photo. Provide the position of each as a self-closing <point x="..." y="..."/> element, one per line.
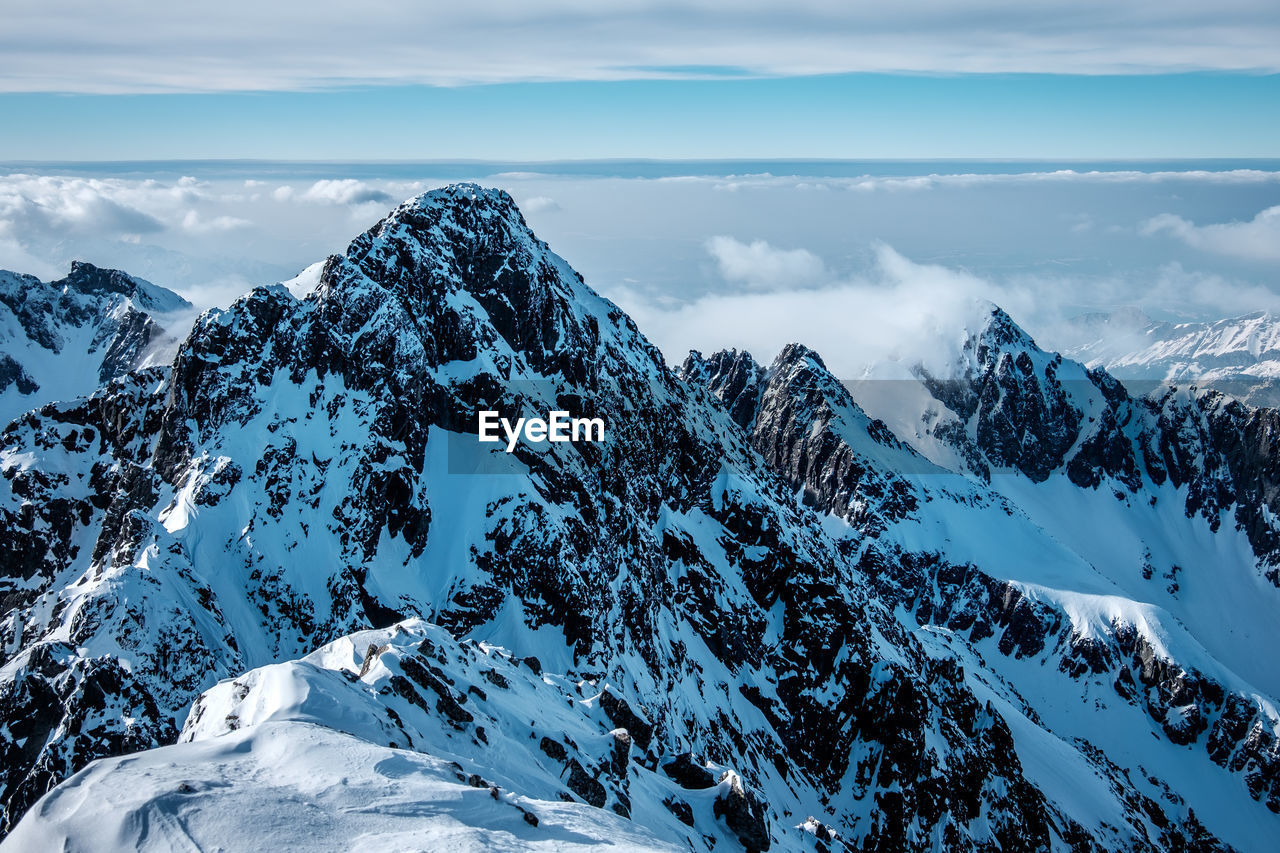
<point x="804" y="424"/>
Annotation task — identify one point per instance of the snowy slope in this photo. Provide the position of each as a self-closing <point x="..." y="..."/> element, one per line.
<point x="759" y="616"/>
<point x="267" y="788"/>
<point x="260" y="753"/>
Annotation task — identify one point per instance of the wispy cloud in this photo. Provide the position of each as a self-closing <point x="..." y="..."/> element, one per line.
<point x="87" y="46"/>
<point x="14" y="256"/>
<point x="198" y="224"/>
<point x="1257" y="239"/>
<point x="963" y="180"/>
<point x="895" y="309"/>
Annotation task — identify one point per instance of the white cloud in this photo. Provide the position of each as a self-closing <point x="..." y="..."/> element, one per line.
<point x="176" y="231"/>
<point x="1081" y="223"/>
<point x="198" y="224"/>
<point x="759" y="265"/>
<point x="964" y="180"/>
<point x="220" y="290"/>
<point x="14" y="257"/>
<point x="136" y="47"/>
<point x="73" y="207"/>
<point x="899" y="310"/>
<point x="539" y="204"/>
<point x="894" y="310"/>
<point x="1257" y="239"/>
<point x="347" y="191"/>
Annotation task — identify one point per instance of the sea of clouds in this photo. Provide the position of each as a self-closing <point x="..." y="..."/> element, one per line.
<point x="862" y="268"/>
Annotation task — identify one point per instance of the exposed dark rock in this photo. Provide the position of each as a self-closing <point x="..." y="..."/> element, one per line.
<point x="689" y="774"/>
<point x="682" y="810"/>
<point x="743" y="814"/>
<point x="585" y="785"/>
<point x="618" y="711"/>
<point x="621" y="753"/>
<point x="12" y="373"/>
<point x="553" y="748"/>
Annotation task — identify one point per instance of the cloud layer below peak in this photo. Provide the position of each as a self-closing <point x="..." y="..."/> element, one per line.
<point x="861" y="268"/>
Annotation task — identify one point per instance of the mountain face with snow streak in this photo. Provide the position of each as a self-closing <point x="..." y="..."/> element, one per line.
<point x="1096" y="615"/>
<point x="759" y="616"/>
<point x="1010" y="406"/>
<point x="1239" y="356"/>
<point x="62" y="339"/>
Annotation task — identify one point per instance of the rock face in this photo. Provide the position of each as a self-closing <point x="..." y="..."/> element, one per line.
<point x="807" y="427"/>
<point x="61" y="339"/>
<point x="752" y="611"/>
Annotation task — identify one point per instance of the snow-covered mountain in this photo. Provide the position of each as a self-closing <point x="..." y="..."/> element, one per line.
<point x="1010" y="608"/>
<point x="1093" y="534"/>
<point x="1239" y="356"/>
<point x="62" y="339"/>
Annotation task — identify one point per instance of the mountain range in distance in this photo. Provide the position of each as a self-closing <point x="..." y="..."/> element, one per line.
<point x="1239" y="356"/>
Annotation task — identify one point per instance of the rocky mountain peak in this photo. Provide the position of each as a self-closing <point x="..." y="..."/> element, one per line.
<point x="465" y="212"/>
<point x="1014" y="403"/>
<point x="794" y="353"/>
<point x="456" y="232"/>
<point x="997" y="336"/>
<point x="803" y="421"/>
<point x="104" y="314"/>
<point x="459" y="267"/>
<point x="89" y="280"/>
<point x="733" y="377"/>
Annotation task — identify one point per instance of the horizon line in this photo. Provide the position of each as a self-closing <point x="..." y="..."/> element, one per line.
<point x="648" y="160"/>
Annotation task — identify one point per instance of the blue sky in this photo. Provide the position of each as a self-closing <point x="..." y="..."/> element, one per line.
<point x="859" y="115"/>
<point x="563" y="79"/>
